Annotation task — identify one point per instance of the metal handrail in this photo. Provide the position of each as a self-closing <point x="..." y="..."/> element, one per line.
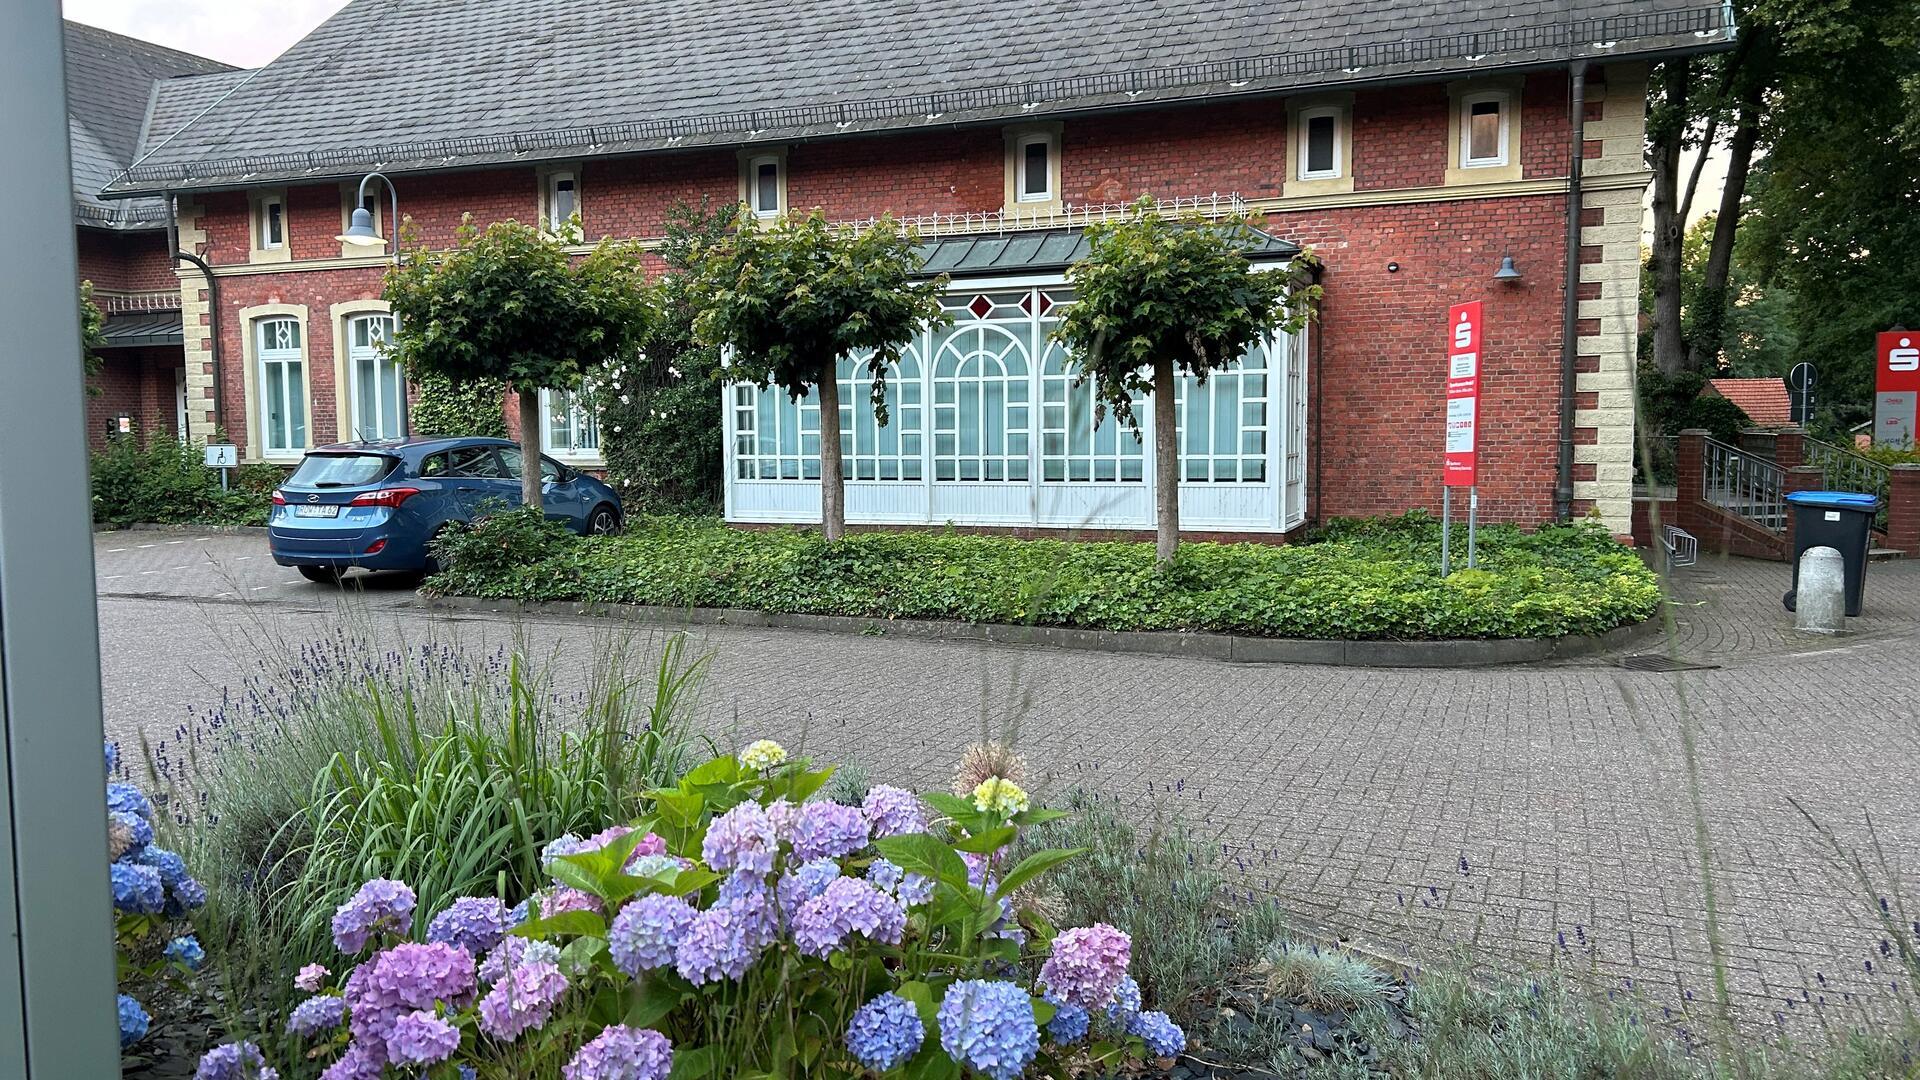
<point x="1846" y="470"/>
<point x="1072" y="215"/>
<point x="1745" y="485"/>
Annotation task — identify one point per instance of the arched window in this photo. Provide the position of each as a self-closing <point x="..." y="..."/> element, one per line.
<point x="377" y="391"/>
<point x="282" y="385"/>
<point x="1224" y="421"/>
<point x="1073" y="447"/>
<point x="981" y="402"/>
<point x="869" y="451"/>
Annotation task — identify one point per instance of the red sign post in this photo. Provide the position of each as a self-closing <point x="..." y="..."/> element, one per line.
<point x="1896" y="419"/>
<point x="1462" y="458"/>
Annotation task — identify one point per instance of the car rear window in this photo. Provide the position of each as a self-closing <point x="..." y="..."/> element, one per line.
<point x="341" y="470"/>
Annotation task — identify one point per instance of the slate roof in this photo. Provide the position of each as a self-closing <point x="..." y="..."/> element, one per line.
<point x="1765" y="401"/>
<point x="417" y="84"/>
<point x="110" y="80"/>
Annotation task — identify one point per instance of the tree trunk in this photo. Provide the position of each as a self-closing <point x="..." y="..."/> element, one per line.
<point x="833" y="482"/>
<point x="1710" y="323"/>
<point x="530" y="448"/>
<point x="1166" y="464"/>
<point x="1669" y="349"/>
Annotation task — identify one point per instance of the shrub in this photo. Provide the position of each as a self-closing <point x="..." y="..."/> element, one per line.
<point x="167" y="482"/>
<point x="501" y="543"/>
<point x="476" y="407"/>
<point x="1377" y="579"/>
<point x="735" y="927"/>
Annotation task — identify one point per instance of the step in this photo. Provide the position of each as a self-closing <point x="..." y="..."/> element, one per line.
<point x="1880" y="554"/>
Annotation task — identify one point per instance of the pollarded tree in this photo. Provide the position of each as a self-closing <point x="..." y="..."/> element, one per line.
<point x="1157" y="297"/>
<point x="509" y="304"/>
<point x="788" y="301"/>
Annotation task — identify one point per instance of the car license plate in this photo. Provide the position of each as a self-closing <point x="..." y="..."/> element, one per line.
<point x="316" y="511"/>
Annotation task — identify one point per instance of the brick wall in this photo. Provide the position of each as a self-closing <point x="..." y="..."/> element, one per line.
<point x="139" y="383"/>
<point x="124" y="261"/>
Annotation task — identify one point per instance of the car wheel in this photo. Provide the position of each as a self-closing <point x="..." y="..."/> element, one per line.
<point x="604" y="521"/>
<point x="325" y="575"/>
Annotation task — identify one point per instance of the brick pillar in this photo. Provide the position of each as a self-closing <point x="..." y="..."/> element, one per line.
<point x="1801" y="478"/>
<point x="1789" y="447"/>
<point x="1903" y="510"/>
<point x="1689" y="473"/>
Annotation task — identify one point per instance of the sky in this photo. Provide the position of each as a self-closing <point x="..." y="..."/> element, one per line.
<point x="245" y="33"/>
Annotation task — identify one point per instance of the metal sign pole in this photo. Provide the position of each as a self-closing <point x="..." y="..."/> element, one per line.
<point x="56" y="919"/>
<point x="1446" y="530"/>
<point x="1473" y="523"/>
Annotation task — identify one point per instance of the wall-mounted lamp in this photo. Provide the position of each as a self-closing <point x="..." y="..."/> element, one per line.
<point x="1393" y="268"/>
<point x="1507" y="271"/>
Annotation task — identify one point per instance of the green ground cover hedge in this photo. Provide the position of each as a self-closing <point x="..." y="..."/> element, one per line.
<point x="1357" y="579"/>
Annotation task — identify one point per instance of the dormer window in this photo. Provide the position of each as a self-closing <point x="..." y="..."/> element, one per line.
<point x="273" y="223"/>
<point x="1320" y="143"/>
<point x="765" y="186"/>
<point x="562" y="199"/>
<point x="1034" y="182"/>
<point x="1484" y="130"/>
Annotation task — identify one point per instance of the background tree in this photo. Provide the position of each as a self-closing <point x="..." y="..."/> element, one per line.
<point x="93" y="338"/>
<point x="787" y="302"/>
<point x="1157" y="297"/>
<point x="445" y="407"/>
<point x="509" y="304"/>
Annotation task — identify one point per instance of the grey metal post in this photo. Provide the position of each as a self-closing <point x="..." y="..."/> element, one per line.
<point x="1473" y="525"/>
<point x="1446" y="530"/>
<point x="56" y="950"/>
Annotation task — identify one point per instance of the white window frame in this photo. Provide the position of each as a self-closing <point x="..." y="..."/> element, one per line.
<point x="1306" y="116"/>
<point x="754" y="164"/>
<point x="569" y="453"/>
<point x="1020" y="192"/>
<point x="267" y="205"/>
<point x="555" y="219"/>
<point x="1504" y="101"/>
<point x="265" y="357"/>
<point x="381" y="359"/>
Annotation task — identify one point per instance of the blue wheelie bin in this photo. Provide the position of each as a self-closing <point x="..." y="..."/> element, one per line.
<point x="1842" y="520"/>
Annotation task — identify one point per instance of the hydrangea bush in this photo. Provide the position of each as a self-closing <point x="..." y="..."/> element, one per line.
<point x="152" y="896"/>
<point x="742" y="927"/>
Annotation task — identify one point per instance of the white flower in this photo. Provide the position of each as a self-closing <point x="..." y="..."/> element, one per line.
<point x="763" y="755"/>
<point x="625" y="400"/>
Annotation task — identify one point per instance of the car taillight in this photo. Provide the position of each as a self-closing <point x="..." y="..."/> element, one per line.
<point x="278" y="498"/>
<point x="388" y="497"/>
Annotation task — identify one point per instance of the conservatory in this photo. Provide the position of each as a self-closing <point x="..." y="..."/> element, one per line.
<point x="986" y="427"/>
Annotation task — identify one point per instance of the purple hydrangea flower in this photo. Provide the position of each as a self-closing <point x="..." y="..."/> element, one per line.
<point x="914" y="890"/>
<point x="1069" y="1024"/>
<point x="381" y="906"/>
<point x="847" y="906"/>
<point x="403" y="979"/>
<point x="782" y="813"/>
<point x="137" y="889"/>
<point x="362" y="1061"/>
<point x="561" y="846"/>
<point x="718" y="945"/>
<point x="989" y="1027"/>
<point x="187" y="895"/>
<point x="646" y="932"/>
<point x="622" y="1053"/>
<point x="560" y="901"/>
<point x="473" y="923"/>
<point x="133" y="1021"/>
<point x="316" y="1016"/>
<point x="752" y="905"/>
<point x="1162" y="1036"/>
<point x="513" y="952"/>
<point x="1086" y="965"/>
<point x="421" y="1038"/>
<point x="829" y="830"/>
<point x="127" y="799"/>
<point x="894" y="811"/>
<point x="234" y="1061"/>
<point x="804" y="882"/>
<point x="886" y="876"/>
<point x="127" y="834"/>
<point x="977" y="867"/>
<point x="311" y="978"/>
<point x="743" y="838"/>
<point x="522" y="1000"/>
<point x="885" y="1032"/>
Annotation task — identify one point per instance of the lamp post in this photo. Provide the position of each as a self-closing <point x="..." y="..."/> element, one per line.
<point x="361" y="233"/>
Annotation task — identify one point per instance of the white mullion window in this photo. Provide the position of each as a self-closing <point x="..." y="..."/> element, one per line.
<point x="1033" y="168"/>
<point x="378" y="392"/>
<point x="1485" y="122"/>
<point x="273" y="223"/>
<point x="1322" y="138"/>
<point x="764" y="184"/>
<point x="1223" y="423"/>
<point x="563" y="198"/>
<point x="570" y="427"/>
<point x="282" y="387"/>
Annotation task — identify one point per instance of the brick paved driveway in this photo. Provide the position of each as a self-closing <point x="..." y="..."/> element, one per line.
<point x="1539" y="813"/>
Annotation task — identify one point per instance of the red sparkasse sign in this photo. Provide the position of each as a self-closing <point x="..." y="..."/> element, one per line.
<point x="1463" y="395"/>
<point x="1899" y="366"/>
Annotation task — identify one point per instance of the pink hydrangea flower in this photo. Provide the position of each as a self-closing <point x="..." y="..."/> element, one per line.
<point x="311" y="978"/>
<point x="1086" y="965"/>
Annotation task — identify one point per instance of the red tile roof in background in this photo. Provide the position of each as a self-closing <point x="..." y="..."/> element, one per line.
<point x="1764" y="401"/>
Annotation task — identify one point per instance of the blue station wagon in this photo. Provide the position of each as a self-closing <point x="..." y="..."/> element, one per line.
<point x="378" y="505"/>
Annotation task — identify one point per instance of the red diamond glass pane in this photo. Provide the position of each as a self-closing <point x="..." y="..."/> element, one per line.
<point x="980" y="306"/>
<point x="1046" y="303"/>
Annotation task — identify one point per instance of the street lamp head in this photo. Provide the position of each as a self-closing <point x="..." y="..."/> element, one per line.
<point x="360" y="232"/>
<point x="1507" y="271"/>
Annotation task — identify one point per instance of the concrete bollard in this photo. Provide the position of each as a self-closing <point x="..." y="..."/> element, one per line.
<point x="1820" y="606"/>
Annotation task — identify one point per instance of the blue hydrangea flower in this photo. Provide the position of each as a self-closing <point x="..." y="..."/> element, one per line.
<point x="1070" y="1022"/>
<point x="743" y="838"/>
<point x="885" y="1032"/>
<point x="317" y="1016"/>
<point x="127" y="799"/>
<point x="381" y="906"/>
<point x="234" y="1061"/>
<point x="473" y="923"/>
<point x="113" y="756"/>
<point x="622" y="1053"/>
<point x="185" y="896"/>
<point x="647" y="931"/>
<point x="513" y="952"/>
<point x="1125" y="1005"/>
<point x="133" y="1022"/>
<point x="989" y="1027"/>
<point x="172" y="868"/>
<point x="186" y="951"/>
<point x="137" y="889"/>
<point x="1162" y="1036"/>
<point x="914" y="890"/>
<point x="656" y="865"/>
<point x="716" y="946"/>
<point x="804" y="882"/>
<point x="894" y="811"/>
<point x="520" y="912"/>
<point x="829" y="830"/>
<point x="136" y="830"/>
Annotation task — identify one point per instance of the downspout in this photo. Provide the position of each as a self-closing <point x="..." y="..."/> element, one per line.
<point x="1570" y="302"/>
<point x="1315" y="349"/>
<point x="213" y="319"/>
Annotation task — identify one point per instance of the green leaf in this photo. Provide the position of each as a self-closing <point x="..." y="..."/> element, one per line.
<point x="694" y="1064"/>
<point x="987" y="842"/>
<point x="682" y="808"/>
<point x="1039" y="816"/>
<point x="923" y="853"/>
<point x="921" y="995"/>
<point x="1032" y="866"/>
<point x="721" y="770"/>
<point x="932" y="1063"/>
<point x="569" y="923"/>
<point x="952" y="806"/>
<point x="651" y="997"/>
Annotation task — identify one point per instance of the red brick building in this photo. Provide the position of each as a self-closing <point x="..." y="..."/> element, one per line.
<point x="122" y="243"/>
<point x="1412" y="150"/>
